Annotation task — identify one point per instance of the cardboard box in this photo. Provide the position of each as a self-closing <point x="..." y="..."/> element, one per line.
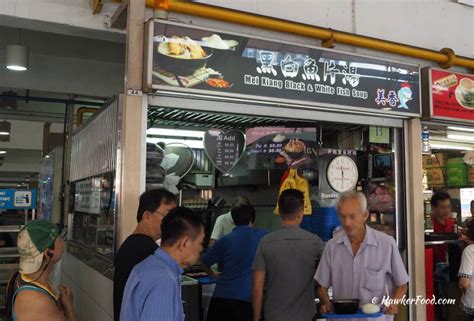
<point x="434" y="160"/>
<point x="436" y="176"/>
<point x="456" y="174"/>
<point x="470" y="175"/>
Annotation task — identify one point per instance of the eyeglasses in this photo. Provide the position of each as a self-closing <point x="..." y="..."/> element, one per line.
<point x="162" y="214"/>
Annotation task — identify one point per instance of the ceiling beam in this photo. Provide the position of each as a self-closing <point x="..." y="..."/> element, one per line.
<point x="119" y="19"/>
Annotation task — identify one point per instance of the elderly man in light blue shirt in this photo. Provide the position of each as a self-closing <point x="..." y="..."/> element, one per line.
<point x="360" y="262"/>
<point x="153" y="290"/>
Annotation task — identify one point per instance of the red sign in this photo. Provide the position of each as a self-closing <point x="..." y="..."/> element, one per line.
<point x="452" y="95"/>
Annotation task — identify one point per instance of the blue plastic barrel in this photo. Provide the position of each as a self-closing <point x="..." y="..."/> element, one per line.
<point x="325" y="220"/>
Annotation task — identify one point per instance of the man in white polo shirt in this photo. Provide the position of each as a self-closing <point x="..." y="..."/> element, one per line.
<point x="224" y="223"/>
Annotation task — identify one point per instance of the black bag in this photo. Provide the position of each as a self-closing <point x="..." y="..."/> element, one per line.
<point x="11" y="288"/>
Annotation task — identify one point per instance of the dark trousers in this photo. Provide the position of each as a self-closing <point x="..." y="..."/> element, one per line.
<point x="229" y="310"/>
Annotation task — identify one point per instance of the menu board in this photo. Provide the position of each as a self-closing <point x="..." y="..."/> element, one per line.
<point x="87" y="197"/>
<point x="281" y="148"/>
<point x="197" y="60"/>
<point x="224" y="148"/>
<point x="451" y="95"/>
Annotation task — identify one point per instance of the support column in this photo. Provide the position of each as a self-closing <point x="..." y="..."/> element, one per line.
<point x="415" y="219"/>
<point x="133" y="132"/>
<point x="69" y="126"/>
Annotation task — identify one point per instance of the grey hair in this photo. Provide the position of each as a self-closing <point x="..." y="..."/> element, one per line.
<point x="350" y="195"/>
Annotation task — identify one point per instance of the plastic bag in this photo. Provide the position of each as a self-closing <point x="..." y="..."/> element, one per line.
<point x="294" y="181"/>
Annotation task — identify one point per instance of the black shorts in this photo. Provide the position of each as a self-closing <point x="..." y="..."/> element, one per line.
<point x="229" y="310"/>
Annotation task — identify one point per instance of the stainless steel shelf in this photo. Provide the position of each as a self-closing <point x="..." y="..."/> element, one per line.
<point x="9" y="252"/>
<point x="10" y="228"/>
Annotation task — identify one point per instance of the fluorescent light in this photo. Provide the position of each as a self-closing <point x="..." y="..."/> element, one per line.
<point x="4" y="133"/>
<point x="462" y="136"/>
<point x="175" y="132"/>
<point x="3" y="151"/>
<point x="197" y="144"/>
<point x="16" y="68"/>
<point x="448" y="145"/>
<point x="462" y="129"/>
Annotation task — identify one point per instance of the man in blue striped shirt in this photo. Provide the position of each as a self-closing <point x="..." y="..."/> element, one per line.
<point x="153" y="290"/>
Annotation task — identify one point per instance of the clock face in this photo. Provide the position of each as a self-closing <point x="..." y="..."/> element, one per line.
<point x="342" y="174"/>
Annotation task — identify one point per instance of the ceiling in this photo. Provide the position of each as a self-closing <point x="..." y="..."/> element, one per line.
<point x="68" y="46"/>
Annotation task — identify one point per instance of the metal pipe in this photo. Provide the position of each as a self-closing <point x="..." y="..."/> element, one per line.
<point x="80" y="114"/>
<point x="53" y="100"/>
<point x="446" y="57"/>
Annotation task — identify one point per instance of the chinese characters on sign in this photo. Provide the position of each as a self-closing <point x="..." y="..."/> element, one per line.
<point x="216" y="64"/>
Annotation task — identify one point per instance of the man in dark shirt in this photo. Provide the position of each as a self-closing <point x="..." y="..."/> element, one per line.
<point x="442" y="223"/>
<point x="154" y="206"/>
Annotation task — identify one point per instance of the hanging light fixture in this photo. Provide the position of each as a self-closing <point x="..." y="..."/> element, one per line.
<point x="5" y="130"/>
<point x="17" y="56"/>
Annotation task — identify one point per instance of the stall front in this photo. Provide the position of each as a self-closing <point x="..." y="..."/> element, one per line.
<point x="233" y="115"/>
<point x="448" y="163"/>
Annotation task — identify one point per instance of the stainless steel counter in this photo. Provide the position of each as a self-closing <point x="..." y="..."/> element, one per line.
<point x="443" y="242"/>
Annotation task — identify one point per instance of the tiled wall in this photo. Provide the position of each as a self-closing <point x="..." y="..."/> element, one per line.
<point x="92" y="291"/>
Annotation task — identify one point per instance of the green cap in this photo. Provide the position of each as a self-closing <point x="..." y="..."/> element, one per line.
<point x="33" y="240"/>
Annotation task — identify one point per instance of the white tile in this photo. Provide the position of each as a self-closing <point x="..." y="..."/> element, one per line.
<point x="98" y="288"/>
<point x="86" y="309"/>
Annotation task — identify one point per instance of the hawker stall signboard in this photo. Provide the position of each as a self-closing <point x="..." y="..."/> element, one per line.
<point x="191" y="60"/>
<point x="449" y="95"/>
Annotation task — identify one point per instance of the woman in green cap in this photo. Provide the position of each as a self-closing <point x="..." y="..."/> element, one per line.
<point x="40" y="248"/>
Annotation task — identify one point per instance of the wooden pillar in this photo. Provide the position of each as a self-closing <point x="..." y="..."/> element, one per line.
<point x="415" y="220"/>
<point x="132" y="125"/>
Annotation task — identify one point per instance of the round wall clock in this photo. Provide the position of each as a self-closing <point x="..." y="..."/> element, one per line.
<point x="342" y="174"/>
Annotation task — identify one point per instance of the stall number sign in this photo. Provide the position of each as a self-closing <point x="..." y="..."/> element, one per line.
<point x="17" y="199"/>
<point x="379" y="135"/>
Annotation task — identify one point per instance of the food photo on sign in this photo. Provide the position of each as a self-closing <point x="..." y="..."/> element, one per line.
<point x="450" y="96"/>
<point x="282" y="148"/>
<point x="184" y="61"/>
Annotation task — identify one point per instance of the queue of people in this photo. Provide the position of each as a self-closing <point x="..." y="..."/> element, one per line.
<point x="266" y="276"/>
<point x="263" y="276"/>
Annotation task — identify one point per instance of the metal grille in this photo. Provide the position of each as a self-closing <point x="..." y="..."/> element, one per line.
<point x="94" y="146"/>
<point x="178" y="118"/>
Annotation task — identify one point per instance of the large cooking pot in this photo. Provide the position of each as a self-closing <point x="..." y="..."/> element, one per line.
<point x="180" y="66"/>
